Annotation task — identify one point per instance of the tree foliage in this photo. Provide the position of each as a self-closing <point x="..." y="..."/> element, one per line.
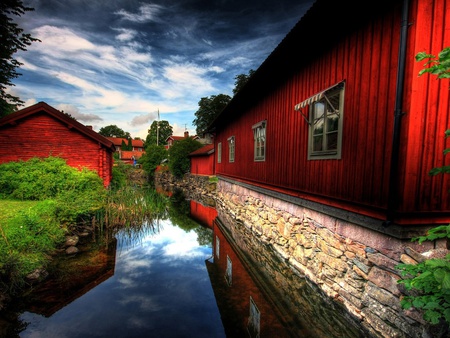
<point x="209" y="109"/>
<point x="241" y="80"/>
<point x="114" y="131"/>
<point x="439" y="66"/>
<point x="179" y="161"/>
<point x="13" y="39"/>
<point x="165" y="130"/>
<point x="154" y="155"/>
<point x="429" y="281"/>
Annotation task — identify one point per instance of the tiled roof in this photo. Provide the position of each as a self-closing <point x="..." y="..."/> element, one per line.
<point x="118" y="142"/>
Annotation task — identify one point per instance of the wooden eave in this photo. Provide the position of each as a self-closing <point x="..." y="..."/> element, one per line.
<point x="14" y="118"/>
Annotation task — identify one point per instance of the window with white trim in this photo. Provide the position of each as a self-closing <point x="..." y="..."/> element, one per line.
<point x="254" y="320"/>
<point x="259" y="137"/>
<point x="325" y="122"/>
<point x="231" y="149"/>
<point x="229" y="271"/>
<point x="217" y="247"/>
<point x="219" y="152"/>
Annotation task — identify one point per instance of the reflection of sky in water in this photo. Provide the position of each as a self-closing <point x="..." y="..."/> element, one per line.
<point x="160" y="288"/>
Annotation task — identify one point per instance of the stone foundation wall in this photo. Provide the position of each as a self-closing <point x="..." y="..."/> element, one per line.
<point x="351" y="264"/>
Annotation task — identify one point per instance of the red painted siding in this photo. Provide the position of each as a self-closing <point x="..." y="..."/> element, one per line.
<point x="202" y="165"/>
<point x="41" y="135"/>
<point x="366" y="57"/>
<point x="203" y="214"/>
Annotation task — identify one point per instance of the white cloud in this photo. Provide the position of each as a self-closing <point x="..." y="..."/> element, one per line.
<point x="143" y="119"/>
<point x="126" y="34"/>
<point x="75" y="112"/>
<point x="59" y="38"/>
<point x="147" y="12"/>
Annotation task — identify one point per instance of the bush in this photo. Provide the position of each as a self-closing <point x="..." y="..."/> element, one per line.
<point x="179" y="161"/>
<point x="153" y="157"/>
<point x="43" y="178"/>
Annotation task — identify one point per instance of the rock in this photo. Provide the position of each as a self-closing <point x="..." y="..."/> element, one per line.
<point x="71" y="240"/>
<point x="37" y="275"/>
<point x="72" y="250"/>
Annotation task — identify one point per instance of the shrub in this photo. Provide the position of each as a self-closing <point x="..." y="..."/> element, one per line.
<point x="179" y="161"/>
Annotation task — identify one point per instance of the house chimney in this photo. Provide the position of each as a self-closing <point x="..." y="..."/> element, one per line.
<point x="89" y="127"/>
<point x="186" y="134"/>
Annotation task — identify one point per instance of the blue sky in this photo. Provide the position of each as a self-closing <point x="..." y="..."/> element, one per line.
<point x="121" y="61"/>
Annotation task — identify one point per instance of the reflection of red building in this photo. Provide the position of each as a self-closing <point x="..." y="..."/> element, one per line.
<point x="81" y="275"/>
<point x="202" y="214"/>
<point x="244" y="307"/>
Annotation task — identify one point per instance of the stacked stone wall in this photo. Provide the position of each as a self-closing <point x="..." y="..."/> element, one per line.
<point x="353" y="265"/>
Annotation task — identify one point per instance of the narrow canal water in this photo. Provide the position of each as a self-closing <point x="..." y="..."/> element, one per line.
<point x="170" y="280"/>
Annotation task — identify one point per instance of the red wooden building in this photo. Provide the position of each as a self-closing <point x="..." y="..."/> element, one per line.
<point x="41" y="131"/>
<point x="338" y="118"/>
<point x="128" y="156"/>
<point x="202" y="160"/>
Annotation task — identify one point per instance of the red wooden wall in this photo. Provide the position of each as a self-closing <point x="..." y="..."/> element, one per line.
<point x="202" y="165"/>
<point x="367" y="59"/>
<point x="43" y="135"/>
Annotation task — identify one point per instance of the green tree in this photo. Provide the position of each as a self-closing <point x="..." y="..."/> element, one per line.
<point x="209" y="109"/>
<point x="114" y="131"/>
<point x="165" y="130"/>
<point x="179" y="161"/>
<point x="127" y="146"/>
<point x="153" y="157"/>
<point x="241" y="80"/>
<point x="428" y="282"/>
<point x="13" y="39"/>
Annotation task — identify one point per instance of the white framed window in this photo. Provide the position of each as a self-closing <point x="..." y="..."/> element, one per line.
<point x="254" y="319"/>
<point x="217" y="247"/>
<point x="219" y="152"/>
<point x="229" y="271"/>
<point x="326" y="112"/>
<point x="259" y="137"/>
<point x="231" y="149"/>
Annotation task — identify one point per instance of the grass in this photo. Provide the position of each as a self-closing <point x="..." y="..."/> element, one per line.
<point x="29" y="235"/>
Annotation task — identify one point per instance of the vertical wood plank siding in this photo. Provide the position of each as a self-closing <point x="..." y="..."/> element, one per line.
<point x="367" y="59"/>
<point x="41" y="135"/>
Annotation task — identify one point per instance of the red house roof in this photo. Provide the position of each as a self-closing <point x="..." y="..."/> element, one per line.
<point x="13" y="118"/>
<point x="203" y="151"/>
<point x="118" y="142"/>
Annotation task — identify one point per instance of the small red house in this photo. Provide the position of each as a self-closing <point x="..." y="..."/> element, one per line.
<point x="172" y="139"/>
<point x="342" y="121"/>
<point x="202" y="160"/>
<point x="128" y="156"/>
<point x="41" y="131"/>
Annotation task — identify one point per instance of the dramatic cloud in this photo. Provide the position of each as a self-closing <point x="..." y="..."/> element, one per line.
<point x="119" y="62"/>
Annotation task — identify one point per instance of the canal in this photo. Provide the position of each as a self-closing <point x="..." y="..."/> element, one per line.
<point x="175" y="277"/>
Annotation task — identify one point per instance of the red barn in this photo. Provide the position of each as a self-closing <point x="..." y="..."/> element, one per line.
<point x="41" y="131"/>
<point x="341" y="121"/>
<point x="202" y="160"/>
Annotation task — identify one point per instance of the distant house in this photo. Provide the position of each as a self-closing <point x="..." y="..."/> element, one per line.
<point x="172" y="139"/>
<point x="202" y="160"/>
<point x="128" y="156"/>
<point x="42" y="131"/>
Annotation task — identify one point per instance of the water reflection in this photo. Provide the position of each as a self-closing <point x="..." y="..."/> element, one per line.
<point x="184" y="274"/>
